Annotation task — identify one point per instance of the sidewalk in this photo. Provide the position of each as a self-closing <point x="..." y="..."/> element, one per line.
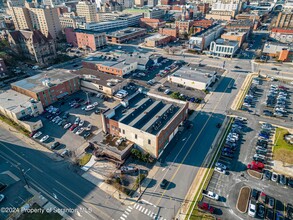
<point x="30" y="142"/>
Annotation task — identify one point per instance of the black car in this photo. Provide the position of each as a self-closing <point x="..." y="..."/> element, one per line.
<point x="261" y="210"/>
<point x="87" y="134"/>
<point x="283" y="180"/>
<point x="270" y="214"/>
<point x="237" y="67"/>
<point x="268" y="174"/>
<point x="289" y="209"/>
<point x="290" y="182"/>
<point x="53" y="146"/>
<point x="255" y="194"/>
<point x="164" y="183"/>
<point x="226" y="154"/>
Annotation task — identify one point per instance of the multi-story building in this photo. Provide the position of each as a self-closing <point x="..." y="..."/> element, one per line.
<point x="88" y="10"/>
<point x="148" y="13"/>
<point x="247" y="16"/>
<point x="104" y="26"/>
<point x="150" y="121"/>
<point x="235" y="36"/>
<point x="203" y="8"/>
<point x="183" y="26"/>
<point x="173" y="32"/>
<point x="282" y="35"/>
<point x="157" y="40"/>
<point x="33" y="45"/>
<point x="90" y="39"/>
<point x="224" y="48"/>
<point x="152" y="23"/>
<point x="281" y="51"/>
<point x="284" y="20"/>
<point x="202" y="40"/>
<point x="125" y="35"/>
<point x="19" y="107"/>
<point x="204" y="23"/>
<point x="3" y="68"/>
<point x="48" y="87"/>
<point x="240" y="25"/>
<point x="70" y="20"/>
<point x="30" y="17"/>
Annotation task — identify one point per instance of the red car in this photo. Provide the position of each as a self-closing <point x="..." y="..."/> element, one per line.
<point x="205" y="206"/>
<point x="72" y="127"/>
<point x="255" y="165"/>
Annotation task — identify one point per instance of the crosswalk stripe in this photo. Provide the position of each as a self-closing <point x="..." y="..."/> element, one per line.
<point x="122" y="218"/>
<point x="127" y="213"/>
<point x="140" y="208"/>
<point x="128" y="210"/>
<point x="149" y="213"/>
<point x="135" y="205"/>
<point x="124" y="215"/>
<point x="130" y="207"/>
<point x="146" y="210"/>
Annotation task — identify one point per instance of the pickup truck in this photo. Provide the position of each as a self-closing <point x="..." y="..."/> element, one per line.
<point x="210" y="195"/>
<point x="205" y="206"/>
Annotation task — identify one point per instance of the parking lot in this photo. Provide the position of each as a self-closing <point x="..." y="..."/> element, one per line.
<point x="228" y="184"/>
<point x="67" y="137"/>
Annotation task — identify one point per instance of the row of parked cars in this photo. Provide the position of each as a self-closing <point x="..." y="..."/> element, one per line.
<point x="78" y="128"/>
<point x="261" y="148"/>
<point x="263" y="206"/>
<point x="250" y="98"/>
<point x="278" y="178"/>
<point x="277" y="100"/>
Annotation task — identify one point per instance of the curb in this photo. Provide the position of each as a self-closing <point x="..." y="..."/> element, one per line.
<point x="251" y="173"/>
<point x="247" y="199"/>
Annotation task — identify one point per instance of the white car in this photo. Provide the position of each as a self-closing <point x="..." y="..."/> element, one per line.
<point x="67" y="126"/>
<point x="46" y="137"/>
<point x="220" y="165"/>
<point x="252" y="208"/>
<point x="95" y="103"/>
<point x="80" y="131"/>
<point x="90" y="107"/>
<point x="38" y="134"/>
<point x="55" y="119"/>
<point x="89" y="127"/>
<point x="81" y="122"/>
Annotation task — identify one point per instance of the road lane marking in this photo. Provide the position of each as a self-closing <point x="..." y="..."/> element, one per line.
<point x="16" y="154"/>
<point x="202" y="129"/>
<point x="145" y="201"/>
<point x="124" y="215"/>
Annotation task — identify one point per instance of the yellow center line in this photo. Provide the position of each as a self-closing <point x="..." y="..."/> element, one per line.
<point x="163" y="193"/>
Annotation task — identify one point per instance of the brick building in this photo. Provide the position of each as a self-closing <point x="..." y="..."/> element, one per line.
<point x="48" y="87"/>
<point x="157" y="40"/>
<point x="183" y="26"/>
<point x="125" y="35"/>
<point x="149" y="121"/>
<point x="235" y="36"/>
<point x="205" y="23"/>
<point x="203" y="8"/>
<point x="33" y="45"/>
<point x="152" y="23"/>
<point x="173" y="32"/>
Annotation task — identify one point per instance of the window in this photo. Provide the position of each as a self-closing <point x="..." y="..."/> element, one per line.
<point x="149" y="141"/>
<point x="100" y="87"/>
<point x="135" y="136"/>
<point x="123" y="131"/>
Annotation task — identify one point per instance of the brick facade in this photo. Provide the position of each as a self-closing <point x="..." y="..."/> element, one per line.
<point x="152" y="23"/>
<point x="173" y="32"/>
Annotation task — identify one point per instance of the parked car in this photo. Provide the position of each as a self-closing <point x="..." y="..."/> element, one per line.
<point x="67" y="125"/>
<point x="38" y="134"/>
<point x="46" y="137"/>
<point x="128" y="169"/>
<point x="218" y="164"/>
<point x="220" y="170"/>
<point x="81" y="122"/>
<point x="73" y="127"/>
<point x="254" y="194"/>
<point x="275" y="177"/>
<point x="77" y="120"/>
<point x="283" y="180"/>
<point x="80" y="131"/>
<point x="255" y="165"/>
<point x="252" y="208"/>
<point x="210" y="194"/>
<point x="267" y="174"/>
<point x="290" y="182"/>
<point x="206" y="207"/>
<point x="86" y="134"/>
<point x="270" y="214"/>
<point x="65" y="153"/>
<point x="289" y="209"/>
<point x="261" y="210"/>
<point x="54" y="145"/>
<point x="89" y="127"/>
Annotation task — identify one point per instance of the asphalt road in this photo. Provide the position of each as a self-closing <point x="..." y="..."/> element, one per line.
<point x="184" y="157"/>
<point x="58" y="181"/>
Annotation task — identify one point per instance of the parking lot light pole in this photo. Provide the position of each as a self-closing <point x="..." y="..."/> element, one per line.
<point x="23" y="174"/>
<point x="87" y="96"/>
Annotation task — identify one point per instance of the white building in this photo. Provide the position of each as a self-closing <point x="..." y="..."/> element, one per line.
<point x="18" y="107"/>
<point x="224" y="48"/>
<point x="202" y="40"/>
<point x="193" y="77"/>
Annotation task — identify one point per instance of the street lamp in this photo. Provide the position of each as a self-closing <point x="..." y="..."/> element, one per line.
<point x="23" y="174"/>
